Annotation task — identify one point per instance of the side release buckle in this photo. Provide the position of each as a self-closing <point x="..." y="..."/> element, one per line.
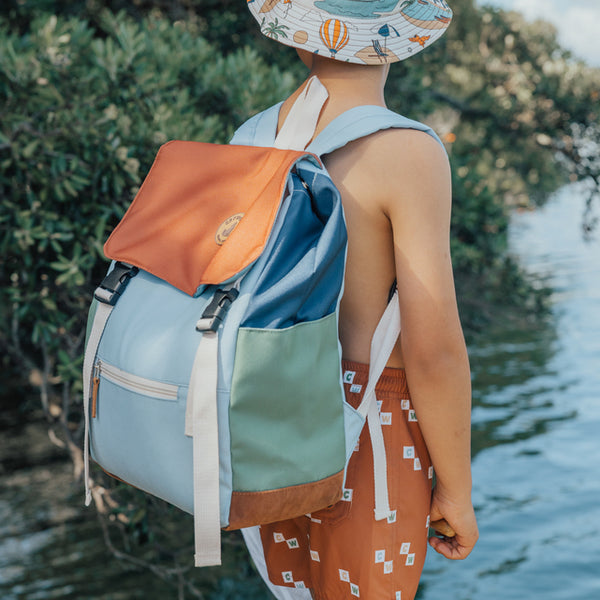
<point x="112" y="286"/>
<point x="215" y="312"/>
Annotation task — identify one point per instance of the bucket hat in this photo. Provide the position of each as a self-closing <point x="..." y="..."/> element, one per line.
<point x="356" y="31"/>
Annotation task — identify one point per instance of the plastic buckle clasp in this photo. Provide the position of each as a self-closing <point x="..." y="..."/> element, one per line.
<point x="215" y="312"/>
<point x="115" y="283"/>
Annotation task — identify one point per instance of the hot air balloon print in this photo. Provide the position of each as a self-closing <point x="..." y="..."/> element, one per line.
<point x="334" y="35"/>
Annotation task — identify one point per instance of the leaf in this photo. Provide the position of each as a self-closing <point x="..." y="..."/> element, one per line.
<point x="30" y="148"/>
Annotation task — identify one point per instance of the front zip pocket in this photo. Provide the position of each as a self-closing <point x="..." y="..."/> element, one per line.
<point x="138" y="432"/>
<point x="131" y="382"/>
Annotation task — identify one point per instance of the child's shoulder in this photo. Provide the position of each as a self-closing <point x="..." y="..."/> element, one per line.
<point x="393" y="170"/>
<point x="406" y="147"/>
<point x="363" y="121"/>
<point x="393" y="155"/>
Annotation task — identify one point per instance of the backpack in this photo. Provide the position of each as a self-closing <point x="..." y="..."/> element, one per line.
<point x="212" y="370"/>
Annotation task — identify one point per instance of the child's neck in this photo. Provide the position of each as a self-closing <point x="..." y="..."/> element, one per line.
<point x="350" y="84"/>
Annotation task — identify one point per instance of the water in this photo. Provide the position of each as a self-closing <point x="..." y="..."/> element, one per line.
<point x="536" y="420"/>
<point x="536" y="462"/>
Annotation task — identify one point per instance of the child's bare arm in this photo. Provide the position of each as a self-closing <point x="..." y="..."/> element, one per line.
<point x="417" y="200"/>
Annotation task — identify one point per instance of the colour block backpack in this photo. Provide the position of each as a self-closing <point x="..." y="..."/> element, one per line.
<point x="212" y="370"/>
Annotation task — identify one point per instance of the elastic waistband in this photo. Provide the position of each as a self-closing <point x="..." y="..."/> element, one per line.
<point x="391" y="380"/>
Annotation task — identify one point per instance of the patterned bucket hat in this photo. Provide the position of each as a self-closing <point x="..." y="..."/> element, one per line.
<point x="368" y="32"/>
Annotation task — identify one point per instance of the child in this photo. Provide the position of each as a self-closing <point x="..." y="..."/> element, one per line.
<point x="395" y="188"/>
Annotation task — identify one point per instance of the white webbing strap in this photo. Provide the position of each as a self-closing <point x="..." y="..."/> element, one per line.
<point x="202" y="407"/>
<point x="383" y="342"/>
<point x="301" y="122"/>
<point x="100" y="318"/>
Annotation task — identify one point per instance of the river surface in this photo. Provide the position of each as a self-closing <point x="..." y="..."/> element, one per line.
<point x="536" y="422"/>
<point x="536" y="461"/>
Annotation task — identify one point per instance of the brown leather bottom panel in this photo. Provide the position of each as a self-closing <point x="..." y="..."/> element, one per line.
<point x="254" y="508"/>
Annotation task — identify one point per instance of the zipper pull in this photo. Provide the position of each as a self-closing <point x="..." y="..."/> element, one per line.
<point x="95" y="384"/>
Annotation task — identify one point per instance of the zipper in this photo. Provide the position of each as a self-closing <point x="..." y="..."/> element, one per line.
<point x="131" y="382"/>
<point x="95" y="384"/>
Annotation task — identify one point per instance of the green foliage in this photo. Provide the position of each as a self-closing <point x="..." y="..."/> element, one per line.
<point x="82" y="118"/>
<point x="517" y="110"/>
<point x="479" y="224"/>
<point x="225" y="24"/>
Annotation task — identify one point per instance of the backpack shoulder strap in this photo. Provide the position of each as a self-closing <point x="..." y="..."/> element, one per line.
<point x="359" y="122"/>
<point x="298" y="128"/>
<point x="351" y="125"/>
<point x="259" y="130"/>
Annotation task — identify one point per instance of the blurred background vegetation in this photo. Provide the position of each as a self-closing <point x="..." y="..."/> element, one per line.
<point x="90" y="89"/>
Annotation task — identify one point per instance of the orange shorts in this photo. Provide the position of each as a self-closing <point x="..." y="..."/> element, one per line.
<point x="342" y="551"/>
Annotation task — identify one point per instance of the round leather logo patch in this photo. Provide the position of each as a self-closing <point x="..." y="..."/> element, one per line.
<point x="226" y="228"/>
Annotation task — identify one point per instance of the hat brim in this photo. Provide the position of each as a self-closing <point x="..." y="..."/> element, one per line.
<point x="372" y="33"/>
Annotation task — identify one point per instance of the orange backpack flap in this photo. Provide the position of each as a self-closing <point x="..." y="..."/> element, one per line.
<point x="204" y="212"/>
